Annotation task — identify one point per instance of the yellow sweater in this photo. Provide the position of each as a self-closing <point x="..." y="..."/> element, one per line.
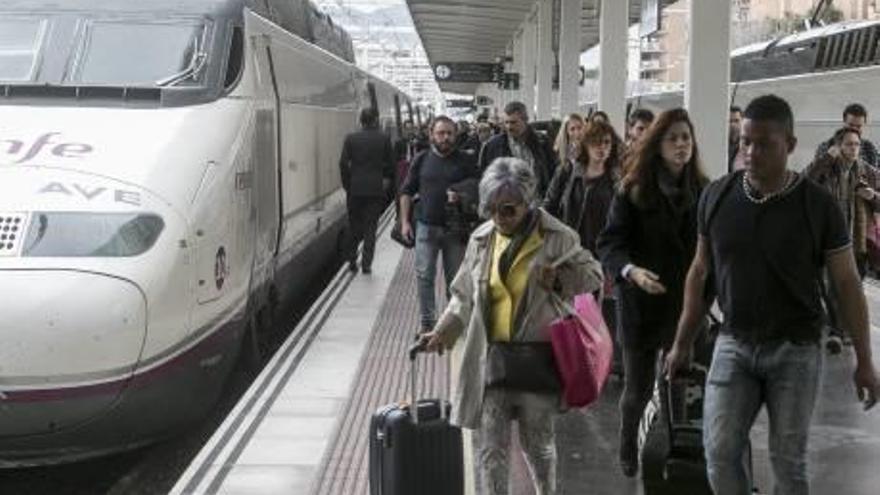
<point x="506" y="294"/>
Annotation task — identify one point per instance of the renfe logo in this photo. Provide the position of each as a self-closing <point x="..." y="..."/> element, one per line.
<point x="24" y="151"/>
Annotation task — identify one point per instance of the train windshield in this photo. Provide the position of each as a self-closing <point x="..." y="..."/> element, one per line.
<point x="112" y="235"/>
<point x="20" y="42"/>
<point x="125" y="53"/>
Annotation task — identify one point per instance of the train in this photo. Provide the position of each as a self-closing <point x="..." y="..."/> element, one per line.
<point x="168" y="173"/>
<point x="819" y="71"/>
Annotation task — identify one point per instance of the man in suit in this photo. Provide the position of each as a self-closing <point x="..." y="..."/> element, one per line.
<point x="366" y="167"/>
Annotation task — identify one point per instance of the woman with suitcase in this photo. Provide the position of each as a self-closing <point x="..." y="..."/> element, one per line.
<point x="647" y="246"/>
<point x="500" y="307"/>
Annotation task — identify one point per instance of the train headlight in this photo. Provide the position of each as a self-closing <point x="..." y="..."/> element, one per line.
<point x="103" y="235"/>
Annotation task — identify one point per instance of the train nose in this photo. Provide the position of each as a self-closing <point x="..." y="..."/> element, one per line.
<point x="69" y="342"/>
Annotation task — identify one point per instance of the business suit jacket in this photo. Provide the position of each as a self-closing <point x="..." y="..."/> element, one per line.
<point x="367" y="158"/>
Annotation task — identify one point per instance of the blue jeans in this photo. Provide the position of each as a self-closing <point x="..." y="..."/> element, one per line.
<point x="431" y="240"/>
<point x="782" y="375"/>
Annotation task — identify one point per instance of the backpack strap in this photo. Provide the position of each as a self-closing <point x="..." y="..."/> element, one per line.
<point x="717" y="192"/>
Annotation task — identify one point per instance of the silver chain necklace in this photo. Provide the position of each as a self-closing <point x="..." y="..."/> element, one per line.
<point x="747" y="188"/>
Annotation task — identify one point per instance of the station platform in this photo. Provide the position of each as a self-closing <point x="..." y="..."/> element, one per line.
<point x="302" y="427"/>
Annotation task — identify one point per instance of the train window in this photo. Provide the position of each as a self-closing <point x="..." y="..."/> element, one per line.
<point x="371" y="89"/>
<point x="397" y="119"/>
<point x="843" y="60"/>
<point x="142" y="54"/>
<point x="855" y="47"/>
<point x="20" y="43"/>
<point x="861" y="45"/>
<point x="873" y="43"/>
<point x="109" y="235"/>
<point x="236" y="58"/>
<point x="837" y="45"/>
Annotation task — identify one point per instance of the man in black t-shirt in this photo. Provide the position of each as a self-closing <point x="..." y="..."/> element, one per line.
<point x="766" y="234"/>
<point x="431" y="177"/>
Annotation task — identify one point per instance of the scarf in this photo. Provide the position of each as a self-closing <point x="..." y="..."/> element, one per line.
<point x="523" y="231"/>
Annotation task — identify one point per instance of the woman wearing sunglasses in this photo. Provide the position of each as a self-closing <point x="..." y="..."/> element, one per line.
<point x="501" y="307"/>
<point x="647" y="246"/>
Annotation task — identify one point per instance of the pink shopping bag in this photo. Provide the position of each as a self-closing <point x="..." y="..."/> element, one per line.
<point x="583" y="350"/>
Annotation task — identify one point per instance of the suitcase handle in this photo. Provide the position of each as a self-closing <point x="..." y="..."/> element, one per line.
<point x="666" y="399"/>
<point x="412" y="354"/>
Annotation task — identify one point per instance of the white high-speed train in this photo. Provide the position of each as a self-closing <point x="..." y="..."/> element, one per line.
<point x="167" y="170"/>
<point x="819" y="72"/>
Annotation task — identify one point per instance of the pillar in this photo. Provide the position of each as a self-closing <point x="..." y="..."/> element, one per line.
<point x="613" y="51"/>
<point x="707" y="85"/>
<point x="517" y="66"/>
<point x="569" y="55"/>
<point x="529" y="52"/>
<point x="544" y="78"/>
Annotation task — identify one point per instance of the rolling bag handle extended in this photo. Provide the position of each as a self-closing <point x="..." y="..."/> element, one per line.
<point x="666" y="396"/>
<point x="413" y="353"/>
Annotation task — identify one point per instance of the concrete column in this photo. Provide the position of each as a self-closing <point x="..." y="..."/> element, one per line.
<point x="517" y="66"/>
<point x="529" y="52"/>
<point x="545" y="60"/>
<point x="707" y="87"/>
<point x="569" y="55"/>
<point x="613" y="49"/>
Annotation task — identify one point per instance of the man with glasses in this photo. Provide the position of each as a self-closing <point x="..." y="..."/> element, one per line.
<point x="432" y="176"/>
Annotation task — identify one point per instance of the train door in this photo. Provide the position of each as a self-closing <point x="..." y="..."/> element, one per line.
<point x="265" y="162"/>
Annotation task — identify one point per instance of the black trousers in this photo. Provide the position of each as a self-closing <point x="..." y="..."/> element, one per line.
<point x="363" y="218"/>
<point x="640" y="373"/>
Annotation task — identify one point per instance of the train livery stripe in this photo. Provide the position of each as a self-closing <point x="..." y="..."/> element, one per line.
<point x="263" y="391"/>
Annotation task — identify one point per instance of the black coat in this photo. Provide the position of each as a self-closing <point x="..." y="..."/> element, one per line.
<point x="588" y="216"/>
<point x="542" y="150"/>
<point x="655" y="238"/>
<point x="367" y="158"/>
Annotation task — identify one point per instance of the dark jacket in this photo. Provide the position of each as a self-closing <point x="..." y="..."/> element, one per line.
<point x="653" y="237"/>
<point x="542" y="150"/>
<point x="367" y="158"/>
<point x="585" y="213"/>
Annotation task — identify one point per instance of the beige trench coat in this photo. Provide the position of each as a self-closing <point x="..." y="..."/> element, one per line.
<point x="465" y="316"/>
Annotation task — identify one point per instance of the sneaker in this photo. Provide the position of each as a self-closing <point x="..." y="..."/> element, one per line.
<point x="352" y="266"/>
<point x="366" y="270"/>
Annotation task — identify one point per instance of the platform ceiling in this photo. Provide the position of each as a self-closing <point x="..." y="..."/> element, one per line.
<point x="480" y="30"/>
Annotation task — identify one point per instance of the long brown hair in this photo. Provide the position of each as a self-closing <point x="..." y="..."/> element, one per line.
<point x="640" y="181"/>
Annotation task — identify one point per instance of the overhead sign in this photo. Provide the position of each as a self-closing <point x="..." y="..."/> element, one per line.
<point x="468" y="72"/>
<point x="459" y="103"/>
<point x="510" y="81"/>
<point x="650" y="19"/>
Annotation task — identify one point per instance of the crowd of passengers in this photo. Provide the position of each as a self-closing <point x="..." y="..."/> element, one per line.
<point x="782" y="252"/>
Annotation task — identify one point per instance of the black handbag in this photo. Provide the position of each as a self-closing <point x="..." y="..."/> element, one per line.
<point x="522" y="366"/>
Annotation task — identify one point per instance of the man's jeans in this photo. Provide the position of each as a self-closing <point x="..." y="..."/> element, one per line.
<point x="782" y="375"/>
<point x="430" y="241"/>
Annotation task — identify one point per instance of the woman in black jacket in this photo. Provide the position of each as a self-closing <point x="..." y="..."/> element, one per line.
<point x="647" y="245"/>
<point x="581" y="191"/>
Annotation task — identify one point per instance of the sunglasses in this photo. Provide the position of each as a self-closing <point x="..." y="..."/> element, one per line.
<point x="506" y="210"/>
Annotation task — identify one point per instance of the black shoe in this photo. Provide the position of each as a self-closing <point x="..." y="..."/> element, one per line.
<point x="353" y="266"/>
<point x="834" y="345"/>
<point x="629" y="469"/>
<point x="367" y="270"/>
<point x="629" y="458"/>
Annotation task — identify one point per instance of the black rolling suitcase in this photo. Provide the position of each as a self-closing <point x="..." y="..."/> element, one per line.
<point x="415" y="451"/>
<point x="673" y="457"/>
